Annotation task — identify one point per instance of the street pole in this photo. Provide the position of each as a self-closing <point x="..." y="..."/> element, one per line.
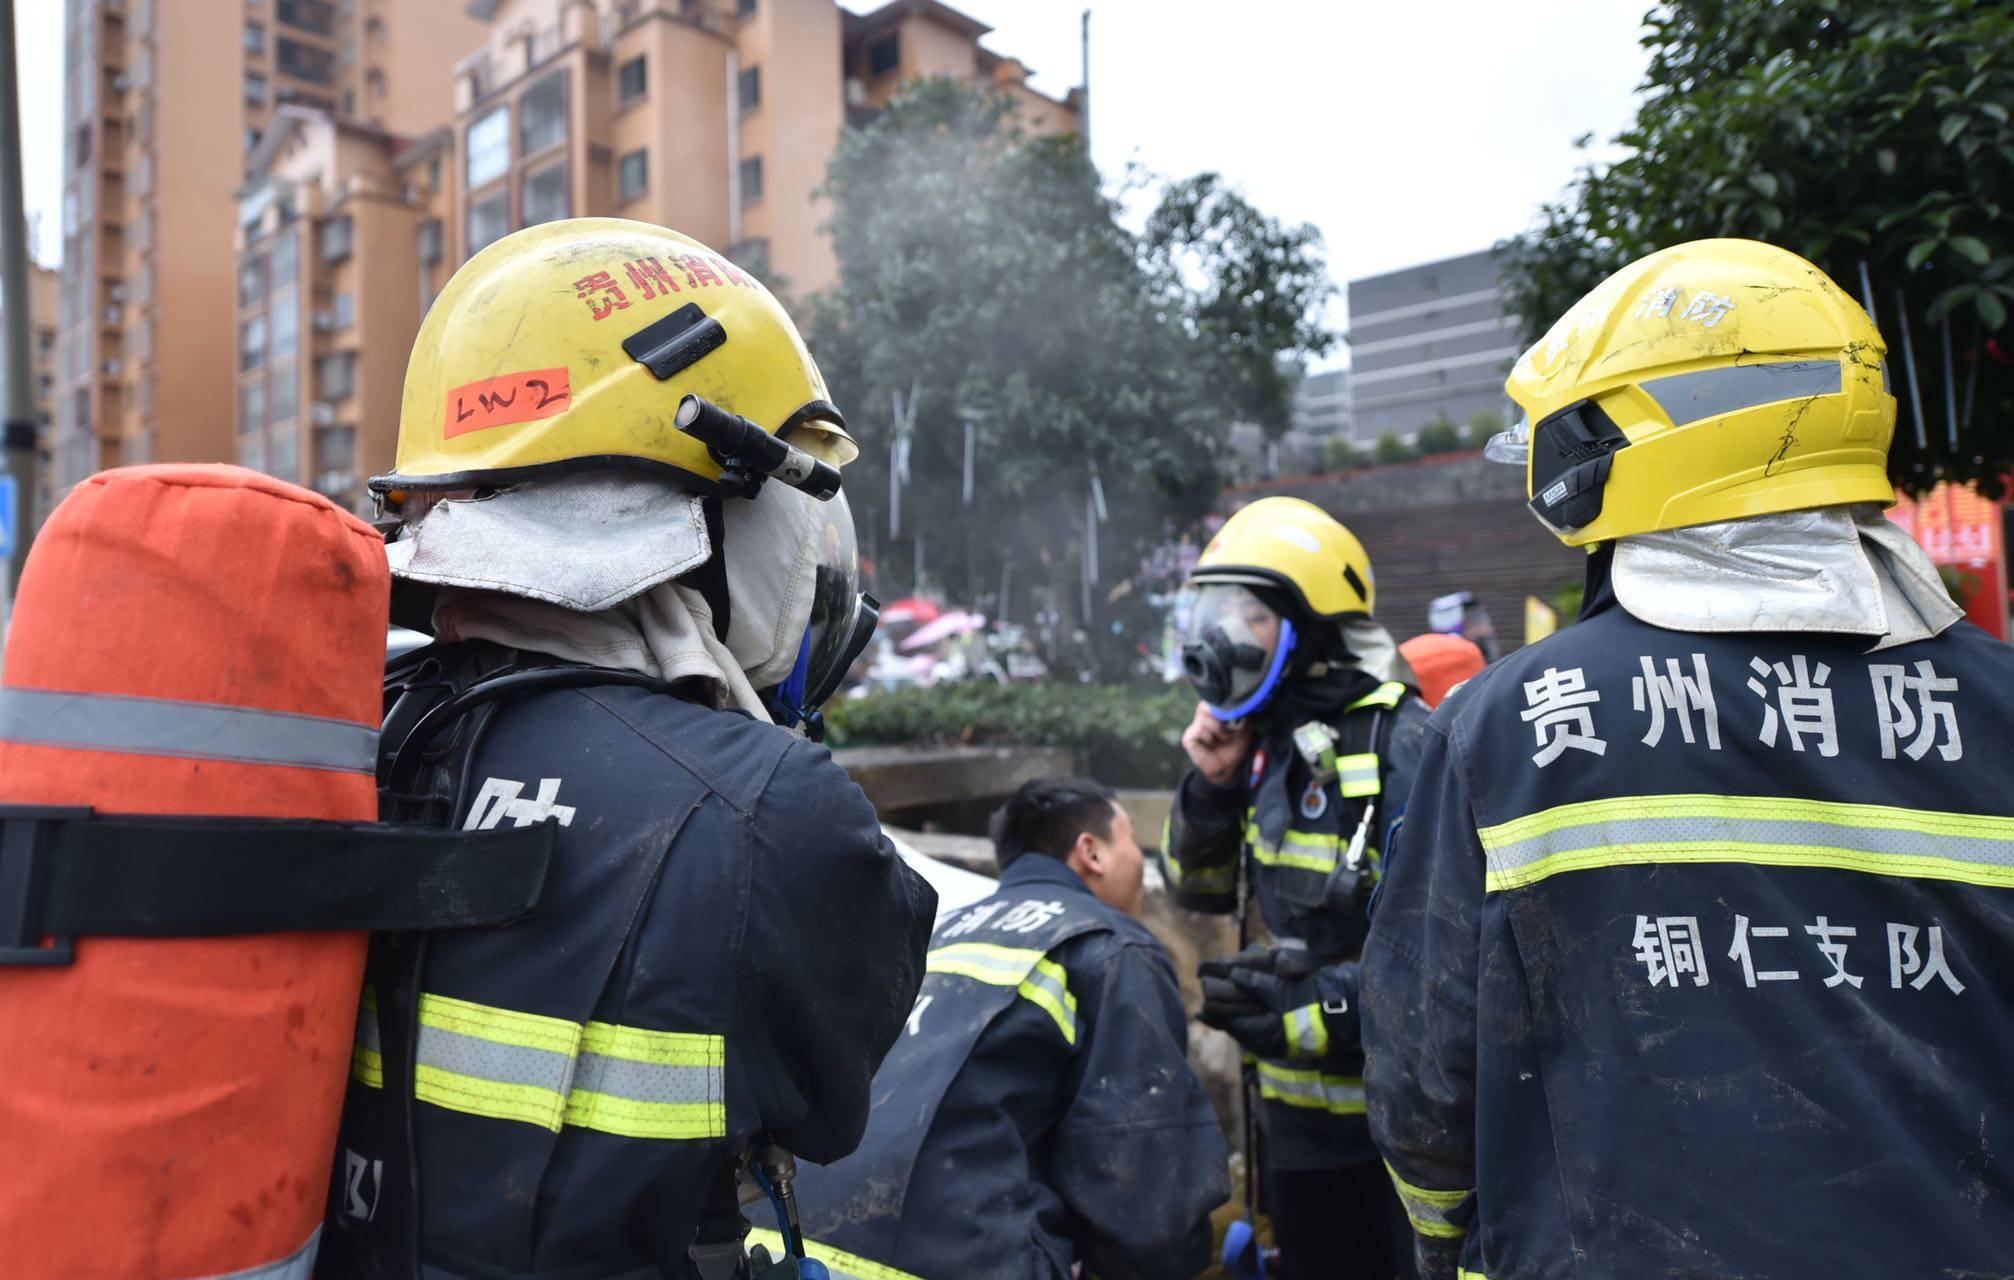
<point x="1084" y="106"/>
<point x="19" y="421"/>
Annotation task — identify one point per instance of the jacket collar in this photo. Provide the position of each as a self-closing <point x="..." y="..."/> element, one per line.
<point x="1041" y="869"/>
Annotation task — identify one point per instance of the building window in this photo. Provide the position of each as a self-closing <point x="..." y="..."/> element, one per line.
<point x="252" y="342"/>
<point x="489" y="148"/>
<point x="284" y="460"/>
<point x="489" y="220"/>
<point x="286" y="324"/>
<point x="317" y="16"/>
<point x="632" y="81"/>
<point x="545" y="197"/>
<point x="252" y="405"/>
<point x="338" y="236"/>
<point x="335" y="460"/>
<point x="286" y="258"/>
<point x="255" y="88"/>
<point x="633" y="175"/>
<point x="752" y="256"/>
<point x="743" y="8"/>
<point x="252" y="450"/>
<point x="431" y="241"/>
<point x="255" y="39"/>
<point x="83" y="147"/>
<point x="751" y="180"/>
<point x="751" y="88"/>
<point x="251" y="281"/>
<point x="343" y="312"/>
<point x="885" y="54"/>
<point x="286" y="392"/>
<point x="336" y="377"/>
<point x="542" y="114"/>
<point x="307" y="62"/>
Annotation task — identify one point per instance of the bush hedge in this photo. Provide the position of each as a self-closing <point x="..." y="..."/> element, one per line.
<point x="1125" y="735"/>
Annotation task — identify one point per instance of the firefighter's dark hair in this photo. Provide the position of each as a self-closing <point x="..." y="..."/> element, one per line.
<point x="1048" y="814"/>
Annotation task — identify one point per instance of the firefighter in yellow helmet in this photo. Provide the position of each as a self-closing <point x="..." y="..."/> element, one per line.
<point x="617" y="501"/>
<point x="1300" y="754"/>
<point x="1689" y="960"/>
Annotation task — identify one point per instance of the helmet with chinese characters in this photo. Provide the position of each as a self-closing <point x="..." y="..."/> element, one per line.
<point x="1710" y="381"/>
<point x="568" y="346"/>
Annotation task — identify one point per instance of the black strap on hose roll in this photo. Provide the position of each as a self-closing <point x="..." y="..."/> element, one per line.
<point x="65" y="872"/>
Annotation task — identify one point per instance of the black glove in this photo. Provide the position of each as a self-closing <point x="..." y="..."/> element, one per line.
<point x="1276" y="1004"/>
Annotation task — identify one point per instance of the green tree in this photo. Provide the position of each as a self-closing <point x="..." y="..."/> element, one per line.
<point x="1439" y="436"/>
<point x="1251" y="289"/>
<point x="1875" y="134"/>
<point x="1391" y="449"/>
<point x="1341" y="454"/>
<point x="1482" y="424"/>
<point x="984" y="278"/>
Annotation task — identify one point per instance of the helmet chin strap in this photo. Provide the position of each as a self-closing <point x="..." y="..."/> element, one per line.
<point x="787" y="699"/>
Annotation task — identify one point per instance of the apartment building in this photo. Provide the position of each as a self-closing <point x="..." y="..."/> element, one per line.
<point x="163" y="101"/>
<point x="712" y="116"/>
<point x="1428" y="341"/>
<point x="44" y="294"/>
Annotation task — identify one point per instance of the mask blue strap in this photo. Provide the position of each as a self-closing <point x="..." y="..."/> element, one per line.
<point x="790" y="694"/>
<point x="1264" y="693"/>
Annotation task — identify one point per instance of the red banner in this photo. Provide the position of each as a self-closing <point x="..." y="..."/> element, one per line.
<point x="1962" y="532"/>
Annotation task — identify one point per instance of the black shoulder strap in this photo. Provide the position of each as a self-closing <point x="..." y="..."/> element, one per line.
<point x="65" y="872"/>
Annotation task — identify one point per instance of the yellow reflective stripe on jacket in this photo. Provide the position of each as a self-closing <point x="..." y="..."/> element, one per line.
<point x="1386" y="695"/>
<point x="1306" y="1087"/>
<point x="1048" y="987"/>
<point x="1359" y="775"/>
<point x="1196" y="879"/>
<point x="1039" y="980"/>
<point x="843" y="1265"/>
<point x="1762" y="830"/>
<point x="1307" y="850"/>
<point x="1465" y="1274"/>
<point x="505" y="1064"/>
<point x="1307" y="1031"/>
<point x="1428" y="1210"/>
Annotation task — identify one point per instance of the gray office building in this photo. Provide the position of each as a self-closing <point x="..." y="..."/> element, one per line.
<point x="1427" y="341"/>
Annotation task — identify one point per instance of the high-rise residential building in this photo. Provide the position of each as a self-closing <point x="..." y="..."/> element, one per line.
<point x="163" y="101"/>
<point x="44" y="293"/>
<point x="1427" y="342"/>
<point x="715" y="117"/>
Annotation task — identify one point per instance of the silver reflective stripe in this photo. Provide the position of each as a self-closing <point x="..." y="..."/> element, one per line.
<point x="1688" y="397"/>
<point x="1343" y="1095"/>
<point x="493" y="1061"/>
<point x="298" y="1265"/>
<point x="647" y="1081"/>
<point x="192" y="730"/>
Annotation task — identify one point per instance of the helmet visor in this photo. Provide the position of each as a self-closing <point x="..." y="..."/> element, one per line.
<point x="1512" y="446"/>
<point x="842" y="620"/>
<point x="1235" y="648"/>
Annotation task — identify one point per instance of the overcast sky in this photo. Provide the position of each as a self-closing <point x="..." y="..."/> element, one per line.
<point x="1405" y="131"/>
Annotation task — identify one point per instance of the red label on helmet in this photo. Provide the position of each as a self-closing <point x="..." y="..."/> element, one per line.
<point x="507" y="398"/>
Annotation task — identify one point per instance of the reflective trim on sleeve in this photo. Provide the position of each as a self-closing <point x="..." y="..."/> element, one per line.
<point x="1307" y="1031"/>
<point x="1428" y="1210"/>
<point x="1360" y="775"/>
<point x="298" y="1265"/>
<point x="1193" y="880"/>
<point x="843" y="1265"/>
<point x="1387" y="695"/>
<point x="1465" y="1274"/>
<point x="1762" y="830"/>
<point x="190" y="730"/>
<point x="509" y="1065"/>
<point x="1049" y="988"/>
<point x="1306" y="1087"/>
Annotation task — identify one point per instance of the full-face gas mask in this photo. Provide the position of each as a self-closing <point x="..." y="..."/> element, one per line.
<point x="1236" y="649"/>
<point x="841" y="623"/>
